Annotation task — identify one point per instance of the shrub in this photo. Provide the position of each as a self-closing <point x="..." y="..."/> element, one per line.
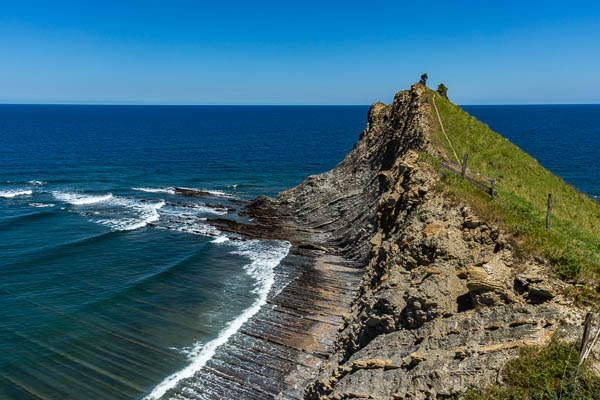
<point x="443" y="90"/>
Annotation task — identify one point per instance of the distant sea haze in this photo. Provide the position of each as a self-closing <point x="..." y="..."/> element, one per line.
<point x="113" y="286"/>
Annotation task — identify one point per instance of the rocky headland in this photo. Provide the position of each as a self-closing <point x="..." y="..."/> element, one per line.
<point x="394" y="290"/>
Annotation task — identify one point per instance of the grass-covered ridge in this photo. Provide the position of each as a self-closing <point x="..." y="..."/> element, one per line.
<point x="573" y="243"/>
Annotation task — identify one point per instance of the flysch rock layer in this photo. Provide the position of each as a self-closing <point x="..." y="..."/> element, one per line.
<point x="443" y="303"/>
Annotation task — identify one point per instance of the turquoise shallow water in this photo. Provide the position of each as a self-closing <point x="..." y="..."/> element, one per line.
<point x="110" y="282"/>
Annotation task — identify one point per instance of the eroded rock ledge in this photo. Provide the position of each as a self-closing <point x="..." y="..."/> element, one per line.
<point x="444" y="301"/>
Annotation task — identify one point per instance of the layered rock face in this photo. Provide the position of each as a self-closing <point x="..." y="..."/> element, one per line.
<point x="444" y="301"/>
<point x="340" y="206"/>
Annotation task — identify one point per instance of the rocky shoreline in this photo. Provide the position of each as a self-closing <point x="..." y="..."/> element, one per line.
<point x="392" y="290"/>
<point x="280" y="350"/>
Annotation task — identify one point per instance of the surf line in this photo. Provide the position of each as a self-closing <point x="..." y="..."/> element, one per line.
<point x="262" y="268"/>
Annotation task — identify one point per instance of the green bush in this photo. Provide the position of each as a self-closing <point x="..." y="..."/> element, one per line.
<point x="442" y="90"/>
<point x="569" y="266"/>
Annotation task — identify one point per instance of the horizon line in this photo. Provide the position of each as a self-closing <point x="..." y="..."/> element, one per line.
<point x="273" y="104"/>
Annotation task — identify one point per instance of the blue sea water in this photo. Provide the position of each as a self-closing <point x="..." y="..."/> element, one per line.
<point x="110" y="282"/>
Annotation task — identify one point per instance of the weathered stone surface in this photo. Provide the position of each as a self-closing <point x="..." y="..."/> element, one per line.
<point x="441" y="305"/>
<point x="437" y="302"/>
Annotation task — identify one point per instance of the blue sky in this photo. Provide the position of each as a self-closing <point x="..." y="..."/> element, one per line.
<point x="326" y="52"/>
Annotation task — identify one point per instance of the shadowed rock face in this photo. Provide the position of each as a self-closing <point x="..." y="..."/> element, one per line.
<point x="442" y="305"/>
<point x="437" y="310"/>
<point x="330" y="220"/>
<point x="340" y="206"/>
<point x="443" y="302"/>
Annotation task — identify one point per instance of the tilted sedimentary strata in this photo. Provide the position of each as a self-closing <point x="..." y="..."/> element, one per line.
<point x="444" y="300"/>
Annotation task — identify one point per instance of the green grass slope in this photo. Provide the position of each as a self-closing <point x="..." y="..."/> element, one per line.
<point x="573" y="244"/>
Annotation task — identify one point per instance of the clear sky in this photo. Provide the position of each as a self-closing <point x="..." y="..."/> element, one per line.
<point x="304" y="52"/>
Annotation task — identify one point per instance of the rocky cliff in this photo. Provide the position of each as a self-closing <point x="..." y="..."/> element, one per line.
<point x="445" y="299"/>
<point x="341" y="206"/>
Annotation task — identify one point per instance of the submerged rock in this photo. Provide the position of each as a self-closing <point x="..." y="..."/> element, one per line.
<point x="192" y="192"/>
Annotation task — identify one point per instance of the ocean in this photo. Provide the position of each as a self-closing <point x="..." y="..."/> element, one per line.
<point x="113" y="286"/>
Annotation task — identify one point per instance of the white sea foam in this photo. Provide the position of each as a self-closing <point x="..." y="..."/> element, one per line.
<point x="195" y="226"/>
<point x="9" y="194"/>
<point x="196" y="209"/>
<point x="118" y="213"/>
<point x="39" y="183"/>
<point x="219" y="193"/>
<point x="147" y="213"/>
<point x="211" y="210"/>
<point x="169" y="190"/>
<point x="175" y="218"/>
<point x="175" y="211"/>
<point x="220" y="239"/>
<point x="263" y="260"/>
<point x="80" y="199"/>
<point x="41" y="205"/>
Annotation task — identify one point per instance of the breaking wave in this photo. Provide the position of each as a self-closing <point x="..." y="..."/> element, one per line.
<point x="9" y="194"/>
<point x="41" y="205"/>
<point x="264" y="257"/>
<point x="147" y="213"/>
<point x="169" y="190"/>
<point x="80" y="199"/>
<point x="220" y="239"/>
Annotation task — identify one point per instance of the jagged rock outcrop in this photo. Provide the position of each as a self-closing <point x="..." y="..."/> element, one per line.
<point x="445" y="300"/>
<point x="340" y="206"/>
<point x="441" y="303"/>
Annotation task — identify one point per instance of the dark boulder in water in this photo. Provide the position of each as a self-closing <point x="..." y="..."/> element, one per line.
<point x="192" y="192"/>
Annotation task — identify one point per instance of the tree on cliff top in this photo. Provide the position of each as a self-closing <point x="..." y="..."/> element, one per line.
<point x="424" y="78"/>
<point x="443" y="90"/>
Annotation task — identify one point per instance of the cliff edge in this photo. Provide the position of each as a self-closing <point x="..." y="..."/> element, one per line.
<point x="404" y="282"/>
<point x="446" y="298"/>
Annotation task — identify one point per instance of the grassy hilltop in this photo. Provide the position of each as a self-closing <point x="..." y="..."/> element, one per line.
<point x="573" y="244"/>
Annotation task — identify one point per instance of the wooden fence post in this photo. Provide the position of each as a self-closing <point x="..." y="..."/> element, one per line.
<point x="494" y="184"/>
<point x="586" y="333"/>
<point x="584" y="340"/>
<point x="464" y="166"/>
<point x="549" y="211"/>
